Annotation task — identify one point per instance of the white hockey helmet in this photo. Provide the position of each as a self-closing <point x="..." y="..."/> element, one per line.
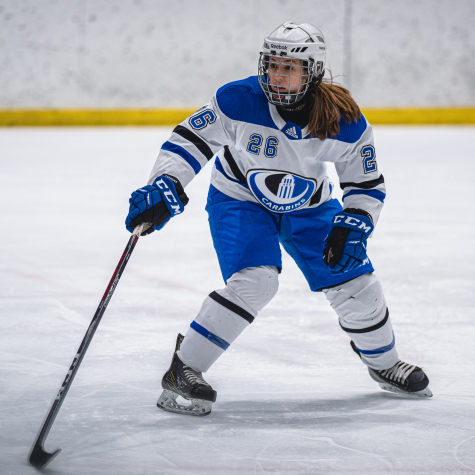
<point x="304" y="42"/>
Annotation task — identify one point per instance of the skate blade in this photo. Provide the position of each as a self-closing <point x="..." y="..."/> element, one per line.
<point x="197" y="407"/>
<point x="423" y="393"/>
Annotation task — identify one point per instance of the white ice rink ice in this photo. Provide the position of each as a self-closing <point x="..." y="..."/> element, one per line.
<point x="292" y="396"/>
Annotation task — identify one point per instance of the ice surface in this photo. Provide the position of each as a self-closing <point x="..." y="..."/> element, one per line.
<point x="292" y="396"/>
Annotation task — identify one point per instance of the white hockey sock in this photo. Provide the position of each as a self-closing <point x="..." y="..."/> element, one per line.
<point x="217" y="325"/>
<point x="361" y="306"/>
<point x="225" y="314"/>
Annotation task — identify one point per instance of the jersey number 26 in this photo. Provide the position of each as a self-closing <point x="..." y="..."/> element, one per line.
<point x="255" y="143"/>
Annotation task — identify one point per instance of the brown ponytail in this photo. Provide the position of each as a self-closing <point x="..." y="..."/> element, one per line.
<point x="330" y="102"/>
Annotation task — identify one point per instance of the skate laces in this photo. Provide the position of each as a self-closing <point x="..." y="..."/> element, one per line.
<point x="399" y="372"/>
<point x="194" y="376"/>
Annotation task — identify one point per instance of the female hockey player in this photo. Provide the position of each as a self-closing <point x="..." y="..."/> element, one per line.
<point x="271" y="135"/>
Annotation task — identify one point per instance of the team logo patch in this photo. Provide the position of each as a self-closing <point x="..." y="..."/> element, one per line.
<point x="279" y="191"/>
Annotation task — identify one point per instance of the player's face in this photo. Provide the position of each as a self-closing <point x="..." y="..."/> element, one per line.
<point x="287" y="75"/>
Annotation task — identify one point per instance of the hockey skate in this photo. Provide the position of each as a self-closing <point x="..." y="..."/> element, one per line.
<point x="181" y="380"/>
<point x="402" y="378"/>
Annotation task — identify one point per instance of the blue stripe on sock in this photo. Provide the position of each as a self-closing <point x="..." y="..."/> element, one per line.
<point x="209" y="336"/>
<point x="379" y="351"/>
<point x="174" y="148"/>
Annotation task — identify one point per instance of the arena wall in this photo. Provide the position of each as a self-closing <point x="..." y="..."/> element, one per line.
<point x="61" y="59"/>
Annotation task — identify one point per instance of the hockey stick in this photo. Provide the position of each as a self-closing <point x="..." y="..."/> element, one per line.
<point x="38" y="457"/>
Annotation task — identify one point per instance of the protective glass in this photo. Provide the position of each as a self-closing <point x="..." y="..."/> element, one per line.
<point x="284" y="80"/>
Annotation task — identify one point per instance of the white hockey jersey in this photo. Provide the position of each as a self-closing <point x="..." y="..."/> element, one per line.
<point x="263" y="159"/>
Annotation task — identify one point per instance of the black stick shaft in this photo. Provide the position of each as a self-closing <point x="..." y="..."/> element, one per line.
<point x="38" y="456"/>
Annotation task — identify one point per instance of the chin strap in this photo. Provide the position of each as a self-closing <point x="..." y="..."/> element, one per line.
<point x="316" y="82"/>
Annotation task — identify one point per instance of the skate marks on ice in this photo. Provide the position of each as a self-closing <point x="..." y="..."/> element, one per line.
<point x="272" y="458"/>
<point x="122" y="434"/>
<point x="355" y="433"/>
<point x="283" y="435"/>
<point x="75" y="317"/>
<point x="294" y="452"/>
<point x="464" y="452"/>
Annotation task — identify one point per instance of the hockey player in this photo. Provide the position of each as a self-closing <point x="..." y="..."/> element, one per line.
<point x="271" y="135"/>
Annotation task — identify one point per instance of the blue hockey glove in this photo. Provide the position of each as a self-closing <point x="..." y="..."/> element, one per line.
<point x="156" y="204"/>
<point x="345" y="245"/>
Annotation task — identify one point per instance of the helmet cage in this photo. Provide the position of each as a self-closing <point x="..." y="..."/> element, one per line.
<point x="308" y="71"/>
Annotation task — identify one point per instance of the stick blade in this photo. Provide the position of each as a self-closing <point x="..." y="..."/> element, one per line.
<point x="39" y="458"/>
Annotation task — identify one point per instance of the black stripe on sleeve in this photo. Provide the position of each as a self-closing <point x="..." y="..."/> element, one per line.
<point x="368" y="329"/>
<point x="365" y="185"/>
<point x="317" y="196"/>
<point x="232" y="306"/>
<point x="233" y="165"/>
<point x="198" y="142"/>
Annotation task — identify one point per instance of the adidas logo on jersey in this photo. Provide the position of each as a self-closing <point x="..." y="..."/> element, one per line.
<point x="292" y="132"/>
